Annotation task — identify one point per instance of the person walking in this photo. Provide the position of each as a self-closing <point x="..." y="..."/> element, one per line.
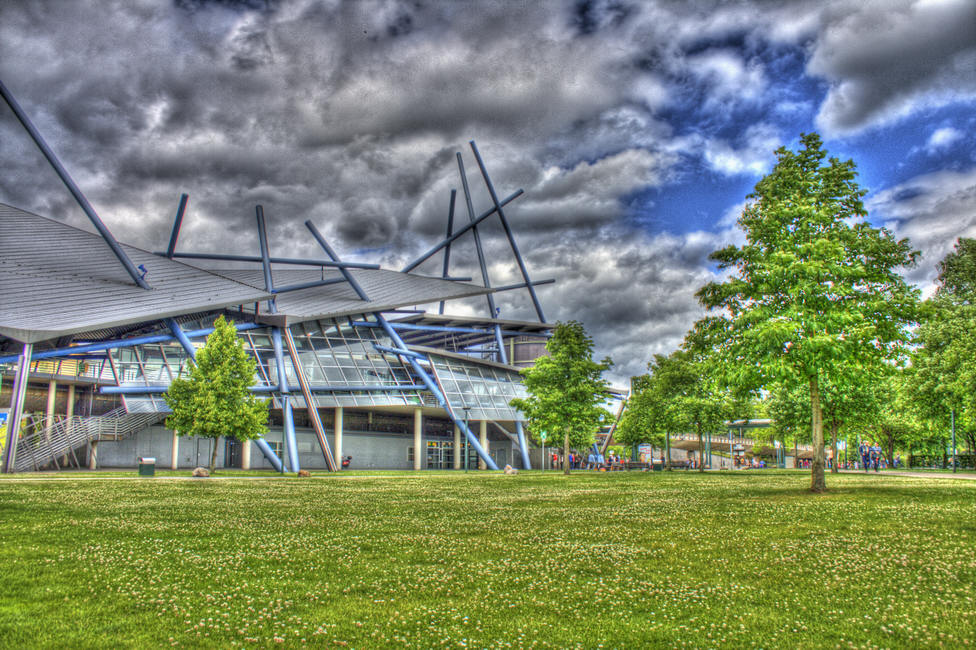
<point x="865" y="452"/>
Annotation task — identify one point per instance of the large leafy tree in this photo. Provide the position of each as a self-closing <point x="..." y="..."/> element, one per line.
<point x="214" y="400"/>
<point x="814" y="293"/>
<point x="566" y="390"/>
<point x="944" y="370"/>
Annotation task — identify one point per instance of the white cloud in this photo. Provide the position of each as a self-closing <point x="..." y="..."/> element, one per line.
<point x="933" y="210"/>
<point x="753" y="157"/>
<point x="943" y="138"/>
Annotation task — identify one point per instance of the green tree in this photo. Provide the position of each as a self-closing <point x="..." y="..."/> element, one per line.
<point x="815" y="292"/>
<point x="566" y="390"/>
<point x="944" y="370"/>
<point x="214" y="400"/>
<point x="643" y="417"/>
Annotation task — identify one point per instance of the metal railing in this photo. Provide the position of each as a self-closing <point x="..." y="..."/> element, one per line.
<point x="55" y="443"/>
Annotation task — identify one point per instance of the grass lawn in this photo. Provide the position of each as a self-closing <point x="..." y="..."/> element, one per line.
<point x="484" y="560"/>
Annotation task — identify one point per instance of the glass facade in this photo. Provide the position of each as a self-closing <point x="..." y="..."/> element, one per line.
<point x="485" y="389"/>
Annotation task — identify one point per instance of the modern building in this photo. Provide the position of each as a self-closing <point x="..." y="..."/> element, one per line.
<point x="351" y="361"/>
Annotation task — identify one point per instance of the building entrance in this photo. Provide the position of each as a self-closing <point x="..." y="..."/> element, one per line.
<point x="440" y="454"/>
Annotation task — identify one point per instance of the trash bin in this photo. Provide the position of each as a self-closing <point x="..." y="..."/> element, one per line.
<point x="147" y="466"/>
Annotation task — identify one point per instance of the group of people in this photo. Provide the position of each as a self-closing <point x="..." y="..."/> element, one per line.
<point x="873" y="458"/>
<point x="591" y="461"/>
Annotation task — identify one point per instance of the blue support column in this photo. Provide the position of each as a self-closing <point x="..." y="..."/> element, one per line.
<point x="523" y="445"/>
<point x="269" y="454"/>
<point x="441" y="398"/>
<point x="502" y="357"/>
<point x="291" y="445"/>
<point x="181" y="336"/>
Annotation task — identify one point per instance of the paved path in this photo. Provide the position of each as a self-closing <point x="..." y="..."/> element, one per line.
<point x="966" y="476"/>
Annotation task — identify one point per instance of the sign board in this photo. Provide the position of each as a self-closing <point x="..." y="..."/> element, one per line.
<point x="644" y="454"/>
<point x="542" y="436"/>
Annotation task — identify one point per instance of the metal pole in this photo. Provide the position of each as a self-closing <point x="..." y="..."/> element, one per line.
<point x="463" y="229"/>
<point x="310" y="406"/>
<point x="523" y="445"/>
<point x="335" y="258"/>
<point x="953" y="415"/>
<point x="176" y="226"/>
<point x="17" y="395"/>
<point x="75" y="191"/>
<point x="447" y="249"/>
<point x="508" y="232"/>
<point x="477" y="237"/>
<point x="467" y="410"/>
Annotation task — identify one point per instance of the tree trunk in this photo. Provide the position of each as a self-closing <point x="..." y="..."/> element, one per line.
<point x="796" y="452"/>
<point x="833" y="445"/>
<point x="817" y="480"/>
<point x="889" y="440"/>
<point x="667" y="450"/>
<point x="566" y="453"/>
<point x="213" y="455"/>
<point x="701" y="451"/>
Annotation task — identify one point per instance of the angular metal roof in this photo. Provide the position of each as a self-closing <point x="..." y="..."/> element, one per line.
<point x="57" y="280"/>
<point x="386" y="289"/>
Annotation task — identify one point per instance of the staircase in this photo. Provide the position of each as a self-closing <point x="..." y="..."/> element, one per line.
<point x="50" y="445"/>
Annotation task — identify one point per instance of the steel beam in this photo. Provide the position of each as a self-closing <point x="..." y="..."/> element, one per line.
<point x="274" y="260"/>
<point x="313" y="412"/>
<point x="269" y="454"/>
<point x="508" y="232"/>
<point x="465" y="228"/>
<point x="291" y="444"/>
<point x="177" y="223"/>
<point x="522" y="285"/>
<point x="177" y="331"/>
<point x="523" y="444"/>
<point x="124" y="343"/>
<point x="492" y="313"/>
<point x="315" y="388"/>
<point x="17" y="395"/>
<point x="335" y="258"/>
<point x="73" y="188"/>
<point x="433" y="388"/>
<point x="447" y="249"/>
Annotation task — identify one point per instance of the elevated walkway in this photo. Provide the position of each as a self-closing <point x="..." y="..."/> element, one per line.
<point x="55" y="444"/>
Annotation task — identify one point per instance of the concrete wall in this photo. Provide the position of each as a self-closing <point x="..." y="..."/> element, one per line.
<point x="369" y="450"/>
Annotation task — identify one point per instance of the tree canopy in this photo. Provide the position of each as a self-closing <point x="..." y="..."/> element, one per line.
<point x="214" y="400"/>
<point x="566" y="390"/>
<point x="944" y="370"/>
<point x="815" y="292"/>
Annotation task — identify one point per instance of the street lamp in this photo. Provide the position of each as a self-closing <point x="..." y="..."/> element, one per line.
<point x="467" y="432"/>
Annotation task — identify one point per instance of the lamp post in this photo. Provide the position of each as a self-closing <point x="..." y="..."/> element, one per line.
<point x="467" y="411"/>
<point x="953" y="416"/>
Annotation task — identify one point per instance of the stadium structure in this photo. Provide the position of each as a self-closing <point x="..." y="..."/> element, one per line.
<point x="93" y="331"/>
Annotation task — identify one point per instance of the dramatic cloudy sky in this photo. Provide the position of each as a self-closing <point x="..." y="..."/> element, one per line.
<point x="636" y="130"/>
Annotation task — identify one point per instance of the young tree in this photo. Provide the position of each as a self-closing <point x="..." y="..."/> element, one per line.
<point x="214" y="401"/>
<point x="815" y="292"/>
<point x="566" y="390"/>
<point x="643" y="417"/>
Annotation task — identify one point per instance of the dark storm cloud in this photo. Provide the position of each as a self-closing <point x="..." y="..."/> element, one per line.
<point x="883" y="58"/>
